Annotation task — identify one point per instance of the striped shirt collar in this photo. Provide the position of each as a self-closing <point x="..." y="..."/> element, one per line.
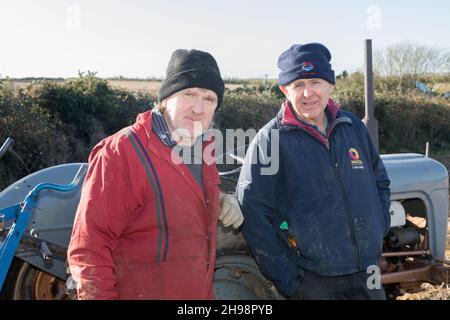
<point x="159" y="126"/>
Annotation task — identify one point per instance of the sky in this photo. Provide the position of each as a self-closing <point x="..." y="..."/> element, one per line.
<point x="135" y="38"/>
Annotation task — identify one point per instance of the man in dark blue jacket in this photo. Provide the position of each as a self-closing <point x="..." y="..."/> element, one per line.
<point x="313" y="189"/>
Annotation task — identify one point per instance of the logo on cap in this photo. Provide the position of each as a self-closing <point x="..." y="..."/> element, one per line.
<point x="306" y="66"/>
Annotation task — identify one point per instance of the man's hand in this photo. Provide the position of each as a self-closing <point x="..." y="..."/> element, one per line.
<point x="230" y="211"/>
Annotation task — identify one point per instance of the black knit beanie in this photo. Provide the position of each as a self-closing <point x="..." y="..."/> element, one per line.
<point x="311" y="60"/>
<point x="191" y="69"/>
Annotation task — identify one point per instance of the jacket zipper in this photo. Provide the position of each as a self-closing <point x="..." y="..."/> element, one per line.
<point x="341" y="185"/>
<point x="348" y="212"/>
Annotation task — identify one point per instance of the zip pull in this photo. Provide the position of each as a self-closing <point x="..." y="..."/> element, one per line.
<point x="288" y="235"/>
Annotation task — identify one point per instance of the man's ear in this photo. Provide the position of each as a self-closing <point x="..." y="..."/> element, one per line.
<point x="284" y="90"/>
<point x="332" y="88"/>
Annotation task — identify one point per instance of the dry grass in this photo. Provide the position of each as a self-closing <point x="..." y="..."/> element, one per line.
<point x="132" y="85"/>
<point x="20" y="84"/>
<point x="136" y="85"/>
<point x="149" y="86"/>
<point x="430" y="292"/>
<point x="441" y="88"/>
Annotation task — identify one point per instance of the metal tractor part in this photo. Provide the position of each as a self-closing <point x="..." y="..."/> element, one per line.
<point x="38" y="220"/>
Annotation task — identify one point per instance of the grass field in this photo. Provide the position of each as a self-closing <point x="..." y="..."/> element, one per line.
<point x="136" y="85"/>
<point x="149" y="86"/>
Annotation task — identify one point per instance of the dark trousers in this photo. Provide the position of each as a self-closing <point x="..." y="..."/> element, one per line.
<point x="347" y="287"/>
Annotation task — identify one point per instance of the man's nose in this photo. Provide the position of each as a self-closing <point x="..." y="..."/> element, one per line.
<point x="198" y="105"/>
<point x="307" y="92"/>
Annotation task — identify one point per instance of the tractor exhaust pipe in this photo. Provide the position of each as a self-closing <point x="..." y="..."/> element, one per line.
<point x="369" y="120"/>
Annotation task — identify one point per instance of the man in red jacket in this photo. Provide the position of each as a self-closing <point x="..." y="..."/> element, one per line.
<point x="145" y="227"/>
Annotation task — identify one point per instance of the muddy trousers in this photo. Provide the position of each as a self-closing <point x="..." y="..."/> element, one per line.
<point x="347" y="287"/>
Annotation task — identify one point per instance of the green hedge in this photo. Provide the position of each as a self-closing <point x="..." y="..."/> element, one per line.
<point x="59" y="122"/>
<point x="54" y="123"/>
<point x="407" y="119"/>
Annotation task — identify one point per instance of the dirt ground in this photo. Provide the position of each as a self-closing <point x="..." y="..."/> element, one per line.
<point x="430" y="292"/>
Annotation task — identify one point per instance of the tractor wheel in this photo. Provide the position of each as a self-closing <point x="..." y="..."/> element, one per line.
<point x="30" y="283"/>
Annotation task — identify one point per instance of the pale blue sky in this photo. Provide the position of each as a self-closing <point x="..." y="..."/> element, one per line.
<point x="135" y="38"/>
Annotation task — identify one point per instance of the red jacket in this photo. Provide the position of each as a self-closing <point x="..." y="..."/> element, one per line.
<point x="144" y="229"/>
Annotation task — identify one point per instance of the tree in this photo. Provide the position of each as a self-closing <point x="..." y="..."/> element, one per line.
<point x="408" y="58"/>
<point x="342" y="75"/>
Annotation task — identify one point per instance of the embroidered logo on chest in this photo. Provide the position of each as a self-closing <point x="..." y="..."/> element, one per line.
<point x="355" y="159"/>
